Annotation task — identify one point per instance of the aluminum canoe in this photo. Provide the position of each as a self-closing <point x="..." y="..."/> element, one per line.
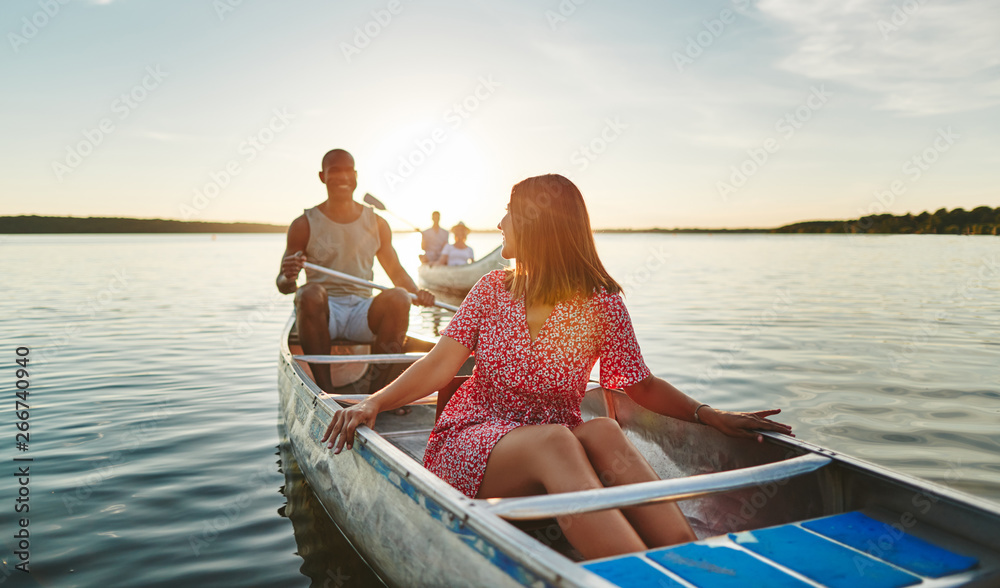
<point x="460" y="278"/>
<point x="414" y="529"/>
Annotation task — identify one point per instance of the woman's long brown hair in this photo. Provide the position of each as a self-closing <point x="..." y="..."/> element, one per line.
<point x="554" y="244"/>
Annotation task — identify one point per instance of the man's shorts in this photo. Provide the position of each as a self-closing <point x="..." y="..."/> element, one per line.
<point x="349" y="318"/>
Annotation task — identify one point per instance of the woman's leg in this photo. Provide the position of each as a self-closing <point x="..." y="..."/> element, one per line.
<point x="618" y="462"/>
<point x="536" y="459"/>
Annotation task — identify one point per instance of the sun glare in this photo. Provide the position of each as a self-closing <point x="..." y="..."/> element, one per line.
<point x="424" y="168"/>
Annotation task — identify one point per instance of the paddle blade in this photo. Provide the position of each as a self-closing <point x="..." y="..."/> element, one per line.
<point x="369" y="199"/>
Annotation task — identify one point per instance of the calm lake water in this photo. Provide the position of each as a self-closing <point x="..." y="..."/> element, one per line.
<point x="153" y="399"/>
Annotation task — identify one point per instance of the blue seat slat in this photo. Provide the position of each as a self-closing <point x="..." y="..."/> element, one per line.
<point x="891" y="544"/>
<point x="719" y="566"/>
<point x="632" y="571"/>
<point x="822" y="560"/>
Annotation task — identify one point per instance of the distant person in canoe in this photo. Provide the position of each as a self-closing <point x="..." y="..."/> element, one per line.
<point x="515" y="428"/>
<point x="433" y="240"/>
<point x="344" y="235"/>
<point x="457" y="253"/>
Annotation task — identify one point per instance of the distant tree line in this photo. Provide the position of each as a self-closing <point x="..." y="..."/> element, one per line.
<point x="58" y="224"/>
<point x="982" y="220"/>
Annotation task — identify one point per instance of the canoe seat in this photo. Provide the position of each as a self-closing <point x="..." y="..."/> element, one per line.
<point x="850" y="550"/>
<point x="672" y="489"/>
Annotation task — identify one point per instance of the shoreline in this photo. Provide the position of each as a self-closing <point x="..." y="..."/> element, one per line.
<point x="980" y="221"/>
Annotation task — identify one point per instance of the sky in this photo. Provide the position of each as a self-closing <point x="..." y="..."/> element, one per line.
<point x="676" y="113"/>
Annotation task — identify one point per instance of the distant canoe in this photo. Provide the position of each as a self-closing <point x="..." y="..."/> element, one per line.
<point x="459" y="278"/>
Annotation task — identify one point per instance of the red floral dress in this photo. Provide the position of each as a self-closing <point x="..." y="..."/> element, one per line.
<point x="519" y="382"/>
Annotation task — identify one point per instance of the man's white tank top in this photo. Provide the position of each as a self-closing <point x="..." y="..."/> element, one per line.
<point x="345" y="247"/>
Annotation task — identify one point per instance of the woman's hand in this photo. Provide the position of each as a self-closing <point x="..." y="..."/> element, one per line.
<point x="345" y="421"/>
<point x="743" y="424"/>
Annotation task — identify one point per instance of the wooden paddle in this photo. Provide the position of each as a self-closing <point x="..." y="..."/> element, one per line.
<point x="366" y="283"/>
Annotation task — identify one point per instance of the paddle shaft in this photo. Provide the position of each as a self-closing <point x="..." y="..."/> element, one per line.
<point x="361" y="282"/>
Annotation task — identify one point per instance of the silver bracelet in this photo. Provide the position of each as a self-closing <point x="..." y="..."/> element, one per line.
<point x="696" y="419"/>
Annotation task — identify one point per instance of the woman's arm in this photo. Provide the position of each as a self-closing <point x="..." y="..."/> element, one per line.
<point x="661" y="397"/>
<point x="428" y="374"/>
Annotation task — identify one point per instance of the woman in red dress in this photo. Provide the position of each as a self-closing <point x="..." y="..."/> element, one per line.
<point x="514" y="427"/>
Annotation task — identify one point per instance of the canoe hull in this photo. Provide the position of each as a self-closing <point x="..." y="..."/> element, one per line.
<point x="459" y="278"/>
<point x="416" y="530"/>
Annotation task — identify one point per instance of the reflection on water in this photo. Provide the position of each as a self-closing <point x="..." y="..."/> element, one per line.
<point x="154" y="384"/>
<point x="328" y="559"/>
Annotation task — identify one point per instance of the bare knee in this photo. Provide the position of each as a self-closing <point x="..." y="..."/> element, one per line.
<point x="558" y="445"/>
<point x="597" y="432"/>
<point x="392" y="305"/>
<point x="389" y="314"/>
<point x="312" y="298"/>
<point x="557" y="438"/>
<point x="613" y="456"/>
<point x="397" y="300"/>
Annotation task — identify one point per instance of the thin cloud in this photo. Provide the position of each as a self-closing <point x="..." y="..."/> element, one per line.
<point x="920" y="58"/>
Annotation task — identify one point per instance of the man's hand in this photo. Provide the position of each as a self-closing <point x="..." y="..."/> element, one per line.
<point x="424" y="298"/>
<point x="292" y="265"/>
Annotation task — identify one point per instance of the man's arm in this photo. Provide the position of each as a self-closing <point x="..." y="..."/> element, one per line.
<point x="389" y="260"/>
<point x="292" y="260"/>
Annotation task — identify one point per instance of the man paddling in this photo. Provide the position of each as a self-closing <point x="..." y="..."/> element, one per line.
<point x="346" y="236"/>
